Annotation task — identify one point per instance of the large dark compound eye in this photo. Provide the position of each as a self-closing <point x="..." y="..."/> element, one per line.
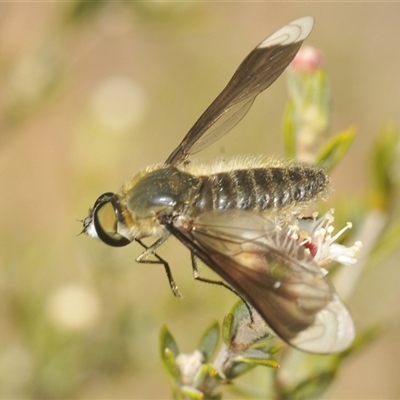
<point x="105" y="218"/>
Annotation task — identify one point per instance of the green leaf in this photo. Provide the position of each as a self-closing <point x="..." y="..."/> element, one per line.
<point x="239" y="369"/>
<point x="167" y="341"/>
<point x="387" y="244"/>
<point x="310" y="389"/>
<point x="317" y="92"/>
<point x="169" y="363"/>
<point x="190" y="392"/>
<point x="240" y="313"/>
<point x="321" y="370"/>
<point x="227" y="329"/>
<point x="205" y="372"/>
<point x="336" y="148"/>
<point x="209" y="341"/>
<point x="79" y="11"/>
<point x="257" y="357"/>
<point x="275" y="349"/>
<point x="307" y="112"/>
<point x="265" y="362"/>
<point x="362" y="340"/>
<point x="384" y="156"/>
<point x="169" y="351"/>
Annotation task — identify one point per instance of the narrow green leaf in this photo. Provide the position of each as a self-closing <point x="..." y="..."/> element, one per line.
<point x="167" y="341"/>
<point x="169" y="351"/>
<point x="207" y="371"/>
<point x="310" y="389"/>
<point x="363" y="339"/>
<point x="307" y="113"/>
<point x="227" y="329"/>
<point x="388" y="243"/>
<point x="260" y="361"/>
<point x="316" y="93"/>
<point x="383" y="159"/>
<point x="209" y="341"/>
<point x="257" y="357"/>
<point x="240" y="369"/>
<point x="169" y="363"/>
<point x="191" y="393"/>
<point x="238" y="313"/>
<point x="336" y="148"/>
<point x="322" y="370"/>
<point x="266" y="362"/>
<point x="275" y="349"/>
<point x="79" y="11"/>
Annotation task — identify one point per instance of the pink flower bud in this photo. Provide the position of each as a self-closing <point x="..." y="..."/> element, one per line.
<point x="308" y="59"/>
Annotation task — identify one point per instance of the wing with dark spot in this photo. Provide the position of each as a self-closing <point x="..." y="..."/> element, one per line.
<point x="274" y="273"/>
<point x="257" y="72"/>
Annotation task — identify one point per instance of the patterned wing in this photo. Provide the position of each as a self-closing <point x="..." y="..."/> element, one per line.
<point x="257" y="72"/>
<point x="274" y="273"/>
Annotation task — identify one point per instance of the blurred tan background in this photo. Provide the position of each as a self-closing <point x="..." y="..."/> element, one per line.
<point x="92" y="92"/>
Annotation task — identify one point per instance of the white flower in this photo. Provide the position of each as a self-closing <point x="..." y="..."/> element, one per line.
<point x="316" y="236"/>
<point x="188" y="365"/>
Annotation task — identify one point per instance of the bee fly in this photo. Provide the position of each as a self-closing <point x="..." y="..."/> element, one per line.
<point x="226" y="214"/>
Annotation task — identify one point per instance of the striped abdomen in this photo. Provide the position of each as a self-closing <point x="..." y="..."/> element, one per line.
<point x="261" y="189"/>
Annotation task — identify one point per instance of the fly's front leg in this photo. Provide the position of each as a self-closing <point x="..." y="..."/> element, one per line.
<point x="197" y="276"/>
<point x="150" y="250"/>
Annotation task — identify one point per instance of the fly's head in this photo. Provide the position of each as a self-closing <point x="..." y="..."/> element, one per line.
<point x="106" y="221"/>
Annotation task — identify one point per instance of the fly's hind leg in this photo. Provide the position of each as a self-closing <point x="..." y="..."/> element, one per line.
<point x="197" y="276"/>
<point x="149" y="250"/>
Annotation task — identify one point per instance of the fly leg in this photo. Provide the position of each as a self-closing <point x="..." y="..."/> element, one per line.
<point x="149" y="250"/>
<point x="197" y="276"/>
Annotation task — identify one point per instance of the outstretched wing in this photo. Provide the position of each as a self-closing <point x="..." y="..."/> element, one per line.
<point x="274" y="273"/>
<point x="257" y="72"/>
